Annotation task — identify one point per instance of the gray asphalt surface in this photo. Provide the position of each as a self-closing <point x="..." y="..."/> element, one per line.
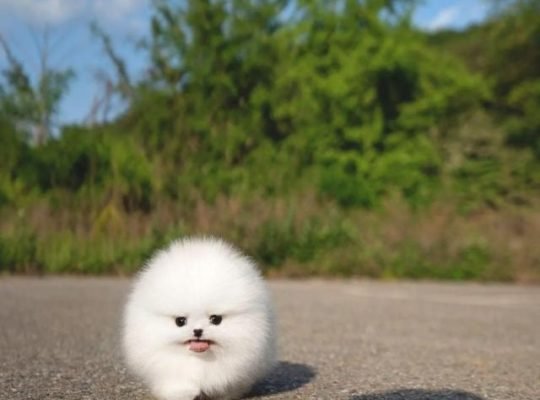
<point x="338" y="340"/>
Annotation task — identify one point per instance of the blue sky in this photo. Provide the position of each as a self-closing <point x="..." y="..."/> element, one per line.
<point x="23" y="24"/>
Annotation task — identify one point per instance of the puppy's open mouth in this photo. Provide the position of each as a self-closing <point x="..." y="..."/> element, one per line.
<point x="199" y="345"/>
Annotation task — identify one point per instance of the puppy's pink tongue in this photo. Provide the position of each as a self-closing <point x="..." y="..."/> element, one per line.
<point x="199" y="347"/>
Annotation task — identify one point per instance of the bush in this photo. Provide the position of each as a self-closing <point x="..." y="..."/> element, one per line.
<point x="18" y="252"/>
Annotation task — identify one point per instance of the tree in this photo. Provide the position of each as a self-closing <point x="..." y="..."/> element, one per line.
<point x="33" y="106"/>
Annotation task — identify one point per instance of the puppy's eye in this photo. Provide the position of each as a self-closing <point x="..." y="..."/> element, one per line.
<point x="180" y="321"/>
<point x="215" y="319"/>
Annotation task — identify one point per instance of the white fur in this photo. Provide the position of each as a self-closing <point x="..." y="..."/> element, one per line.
<point x="196" y="278"/>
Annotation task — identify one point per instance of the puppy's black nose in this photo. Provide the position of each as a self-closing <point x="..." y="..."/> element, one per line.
<point x="197" y="333"/>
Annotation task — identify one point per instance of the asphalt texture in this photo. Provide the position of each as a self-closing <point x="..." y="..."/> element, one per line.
<point x="355" y="340"/>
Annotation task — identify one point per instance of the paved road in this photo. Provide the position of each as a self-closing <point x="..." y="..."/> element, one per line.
<point x="338" y="340"/>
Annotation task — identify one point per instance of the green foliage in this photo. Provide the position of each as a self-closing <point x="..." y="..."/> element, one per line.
<point x="524" y="124"/>
<point x="271" y="100"/>
<point x="32" y="105"/>
<point x="282" y="240"/>
<point x="83" y="162"/>
<point x="515" y="70"/>
<point x="13" y="152"/>
<point x="410" y="262"/>
<point x="505" y="51"/>
<point x="18" y="252"/>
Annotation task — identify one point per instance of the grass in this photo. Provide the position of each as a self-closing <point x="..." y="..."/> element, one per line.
<point x="288" y="237"/>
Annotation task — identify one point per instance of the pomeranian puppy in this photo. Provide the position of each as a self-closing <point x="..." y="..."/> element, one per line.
<point x="198" y="323"/>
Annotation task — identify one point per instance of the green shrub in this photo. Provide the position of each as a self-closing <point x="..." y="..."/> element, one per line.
<point x="18" y="252"/>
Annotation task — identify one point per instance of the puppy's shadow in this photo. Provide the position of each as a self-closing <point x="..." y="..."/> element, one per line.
<point x="285" y="377"/>
<point x="419" y="394"/>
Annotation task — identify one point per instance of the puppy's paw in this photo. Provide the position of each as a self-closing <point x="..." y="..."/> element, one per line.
<point x="177" y="392"/>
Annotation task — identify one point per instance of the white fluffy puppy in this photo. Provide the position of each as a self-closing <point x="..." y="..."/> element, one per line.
<point x="198" y="323"/>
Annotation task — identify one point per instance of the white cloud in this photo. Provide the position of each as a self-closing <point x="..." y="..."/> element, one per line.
<point x="115" y="9"/>
<point x="44" y="11"/>
<point x="444" y="18"/>
<point x="55" y="12"/>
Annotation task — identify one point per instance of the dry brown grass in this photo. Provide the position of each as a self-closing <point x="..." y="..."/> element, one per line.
<point x="297" y="236"/>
